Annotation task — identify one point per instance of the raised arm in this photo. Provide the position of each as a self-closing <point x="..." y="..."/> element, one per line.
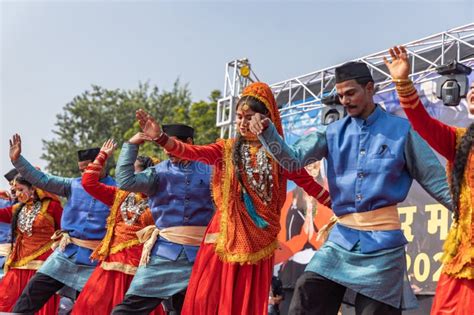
<point x="54" y="184"/>
<point x="307" y="150"/>
<point x="209" y="154"/>
<point x="424" y="166"/>
<point x="91" y="177"/>
<point x="145" y="182"/>
<point x="302" y="178"/>
<point x="439" y="136"/>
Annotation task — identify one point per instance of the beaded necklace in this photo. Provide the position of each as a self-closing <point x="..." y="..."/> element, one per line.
<point x="27" y="216"/>
<point x="263" y="184"/>
<point x="129" y="205"/>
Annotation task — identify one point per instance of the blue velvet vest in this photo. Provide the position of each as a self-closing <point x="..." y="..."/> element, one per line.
<point x="85" y="218"/>
<point x="183" y="198"/>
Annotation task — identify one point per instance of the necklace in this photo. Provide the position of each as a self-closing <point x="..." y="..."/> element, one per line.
<point x="130" y="206"/>
<point x="27" y="216"/>
<point x="263" y="184"/>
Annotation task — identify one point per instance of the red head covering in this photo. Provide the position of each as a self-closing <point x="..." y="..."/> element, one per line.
<point x="262" y="92"/>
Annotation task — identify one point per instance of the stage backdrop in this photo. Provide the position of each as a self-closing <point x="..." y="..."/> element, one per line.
<point x="425" y="222"/>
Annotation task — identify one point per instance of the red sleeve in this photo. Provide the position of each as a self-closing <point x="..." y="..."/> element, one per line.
<point x="91" y="184"/>
<point x="307" y="182"/>
<point x="439" y="136"/>
<point x="208" y="154"/>
<point x="56" y="210"/>
<point x="6" y="214"/>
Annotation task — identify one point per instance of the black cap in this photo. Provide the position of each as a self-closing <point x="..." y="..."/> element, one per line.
<point x="87" y="154"/>
<point x="11" y="174"/>
<point x="179" y="131"/>
<point x="351" y="71"/>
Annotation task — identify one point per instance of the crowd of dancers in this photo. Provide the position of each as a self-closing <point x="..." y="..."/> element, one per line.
<point x="196" y="233"/>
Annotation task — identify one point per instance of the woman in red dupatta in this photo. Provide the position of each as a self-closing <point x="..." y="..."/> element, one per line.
<point x="233" y="269"/>
<point x="34" y="220"/>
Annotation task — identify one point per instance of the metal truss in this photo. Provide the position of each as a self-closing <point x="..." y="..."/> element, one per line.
<point x="235" y="81"/>
<point x="304" y="93"/>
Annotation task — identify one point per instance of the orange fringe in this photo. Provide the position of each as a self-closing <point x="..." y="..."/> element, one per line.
<point x="458" y="256"/>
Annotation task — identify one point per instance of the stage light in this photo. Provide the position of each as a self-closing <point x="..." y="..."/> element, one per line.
<point x="332" y="110"/>
<point x="453" y="83"/>
<point x="245" y="71"/>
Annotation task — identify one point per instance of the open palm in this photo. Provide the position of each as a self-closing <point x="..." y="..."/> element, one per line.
<point x="148" y="124"/>
<point x="15" y="147"/>
<point x="399" y="66"/>
<point x="109" y="147"/>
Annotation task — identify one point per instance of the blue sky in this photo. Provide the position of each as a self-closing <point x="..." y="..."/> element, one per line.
<point x="51" y="51"/>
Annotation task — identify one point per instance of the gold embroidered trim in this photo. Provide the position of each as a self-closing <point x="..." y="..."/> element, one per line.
<point x="124" y="245"/>
<point x="117" y="266"/>
<point x="31" y="265"/>
<point x="27" y="259"/>
<point x="228" y="169"/>
<point x="103" y="250"/>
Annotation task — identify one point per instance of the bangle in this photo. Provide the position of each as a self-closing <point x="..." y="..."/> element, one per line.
<point x="406" y="92"/>
<point x="162" y="139"/>
<point x="404" y="88"/>
<point x="401" y="81"/>
<point x="102" y="154"/>
<point x="101" y="157"/>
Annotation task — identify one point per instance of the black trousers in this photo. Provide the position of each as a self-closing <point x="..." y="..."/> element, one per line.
<point x="37" y="292"/>
<point x="134" y="304"/>
<point x="315" y="294"/>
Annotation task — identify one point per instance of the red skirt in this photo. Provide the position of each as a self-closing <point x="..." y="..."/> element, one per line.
<point x="223" y="288"/>
<point x="453" y="296"/>
<point x="106" y="288"/>
<point x="11" y="287"/>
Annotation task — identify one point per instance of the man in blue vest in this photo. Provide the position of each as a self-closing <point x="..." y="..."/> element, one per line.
<point x="372" y="159"/>
<point x="83" y="225"/>
<point x="181" y="204"/>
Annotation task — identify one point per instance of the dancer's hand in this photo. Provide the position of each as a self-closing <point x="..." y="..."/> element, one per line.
<point x="139" y="138"/>
<point x="109" y="147"/>
<point x="399" y="66"/>
<point x="5" y="194"/>
<point x="15" y="147"/>
<point x="258" y="123"/>
<point x="148" y="124"/>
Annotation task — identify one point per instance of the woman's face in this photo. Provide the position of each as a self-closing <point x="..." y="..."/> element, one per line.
<point x="244" y="114"/>
<point x="24" y="193"/>
<point x="470" y="98"/>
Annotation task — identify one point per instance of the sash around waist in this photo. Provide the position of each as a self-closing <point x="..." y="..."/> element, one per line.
<point x="382" y="219"/>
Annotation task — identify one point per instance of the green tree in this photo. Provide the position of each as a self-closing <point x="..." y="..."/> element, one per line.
<point x="98" y="114"/>
<point x="200" y="115"/>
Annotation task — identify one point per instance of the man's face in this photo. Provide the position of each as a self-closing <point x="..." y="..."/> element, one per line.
<point x="82" y="165"/>
<point x="175" y="159"/>
<point x="12" y="188"/>
<point x="357" y="99"/>
<point x="470" y="98"/>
